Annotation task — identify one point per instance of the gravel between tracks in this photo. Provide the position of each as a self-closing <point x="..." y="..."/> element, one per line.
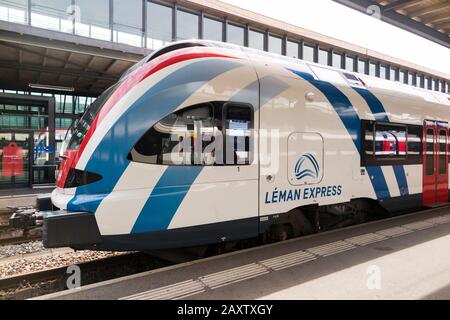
<point x="40" y="263"/>
<point x="20" y="249"/>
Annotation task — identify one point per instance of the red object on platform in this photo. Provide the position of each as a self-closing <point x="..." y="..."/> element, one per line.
<point x="12" y="161"/>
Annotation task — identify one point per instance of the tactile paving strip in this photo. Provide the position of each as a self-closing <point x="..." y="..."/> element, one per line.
<point x="174" y="291"/>
<point x="288" y="260"/>
<point x="366" y="239"/>
<point x="331" y="248"/>
<point x="227" y="277"/>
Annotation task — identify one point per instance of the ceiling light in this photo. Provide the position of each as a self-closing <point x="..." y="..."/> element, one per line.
<point x="49" y="87"/>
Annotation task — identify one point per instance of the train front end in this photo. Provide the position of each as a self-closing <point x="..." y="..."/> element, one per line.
<point x="102" y="196"/>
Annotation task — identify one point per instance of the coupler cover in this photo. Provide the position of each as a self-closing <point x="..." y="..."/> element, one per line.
<point x="69" y="229"/>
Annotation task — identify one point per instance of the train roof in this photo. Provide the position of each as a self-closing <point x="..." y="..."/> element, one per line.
<point x="319" y="71"/>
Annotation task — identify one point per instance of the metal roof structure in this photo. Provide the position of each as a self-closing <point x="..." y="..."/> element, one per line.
<point x="427" y="18"/>
<point x="33" y="56"/>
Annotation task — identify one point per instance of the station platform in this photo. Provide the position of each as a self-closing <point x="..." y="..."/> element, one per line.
<point x="406" y="257"/>
<point x="22" y="197"/>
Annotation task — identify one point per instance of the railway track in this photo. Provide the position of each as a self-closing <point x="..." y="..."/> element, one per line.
<point x="11" y="236"/>
<point x="51" y="280"/>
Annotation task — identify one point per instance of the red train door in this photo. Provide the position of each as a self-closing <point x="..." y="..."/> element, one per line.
<point x="435" y="163"/>
<point x="442" y="162"/>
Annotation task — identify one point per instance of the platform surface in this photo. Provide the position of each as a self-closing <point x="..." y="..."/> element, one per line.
<point x="406" y="257"/>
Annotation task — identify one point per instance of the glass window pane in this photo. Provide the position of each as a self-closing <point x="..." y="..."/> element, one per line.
<point x="410" y="78"/>
<point x="415" y="134"/>
<point x="187" y="25"/>
<point x="256" y="40"/>
<point x="308" y="53"/>
<point x="212" y="29"/>
<point x="349" y="63"/>
<point x="393" y="73"/>
<point x="159" y="25"/>
<point x="14" y="11"/>
<point x="292" y="49"/>
<point x="436" y="85"/>
<point x="372" y="69"/>
<point x="128" y="22"/>
<point x="337" y="58"/>
<point x="94" y="19"/>
<point x="390" y="141"/>
<point x="419" y="81"/>
<point x="275" y="45"/>
<point x="235" y="35"/>
<point x="402" y="76"/>
<point x="51" y="14"/>
<point x="383" y="72"/>
<point x="323" y="56"/>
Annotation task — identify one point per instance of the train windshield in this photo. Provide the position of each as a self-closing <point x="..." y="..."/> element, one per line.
<point x="78" y="130"/>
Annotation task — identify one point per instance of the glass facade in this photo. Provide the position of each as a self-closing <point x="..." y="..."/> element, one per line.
<point x="337" y="59"/>
<point x="187" y="25"/>
<point x="94" y="19"/>
<point x="308" y="53"/>
<point x="372" y="69"/>
<point x="148" y="23"/>
<point x="323" y="56"/>
<point x="212" y="29"/>
<point x="383" y="70"/>
<point x="256" y="40"/>
<point x="128" y="22"/>
<point x="26" y="128"/>
<point x="14" y="11"/>
<point x="235" y="34"/>
<point x="349" y="63"/>
<point x="402" y="76"/>
<point x="292" y="49"/>
<point x="361" y="66"/>
<point x="51" y="15"/>
<point x="275" y="45"/>
<point x="393" y="74"/>
<point x="159" y="25"/>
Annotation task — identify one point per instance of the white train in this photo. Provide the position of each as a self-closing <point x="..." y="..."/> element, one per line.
<point x="205" y="142"/>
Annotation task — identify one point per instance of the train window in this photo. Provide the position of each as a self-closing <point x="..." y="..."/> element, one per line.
<point x="430" y="152"/>
<point x="238" y="125"/>
<point x="194" y="136"/>
<point x="443" y="152"/>
<point x="390" y="141"/>
<point x="415" y="141"/>
<point x="389" y="144"/>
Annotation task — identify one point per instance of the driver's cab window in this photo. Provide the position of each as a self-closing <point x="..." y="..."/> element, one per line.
<point x="195" y="136"/>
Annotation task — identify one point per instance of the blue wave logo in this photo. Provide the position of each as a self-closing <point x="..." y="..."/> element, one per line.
<point x="307" y="166"/>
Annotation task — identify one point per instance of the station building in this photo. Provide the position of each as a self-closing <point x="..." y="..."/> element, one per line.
<point x="57" y="56"/>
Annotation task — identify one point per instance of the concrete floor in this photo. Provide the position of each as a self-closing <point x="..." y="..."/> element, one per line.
<point x="402" y="258"/>
<point x="21" y="197"/>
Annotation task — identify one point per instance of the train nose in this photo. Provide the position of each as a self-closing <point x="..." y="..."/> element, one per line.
<point x="70" y="177"/>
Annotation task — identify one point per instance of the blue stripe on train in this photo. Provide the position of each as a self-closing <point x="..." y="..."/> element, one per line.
<point x="165" y="198"/>
<point x="374" y="104"/>
<point x="402" y="181"/>
<point x="351" y="121"/>
<point x="379" y="112"/>
<point x="151" y="107"/>
<point x="340" y="103"/>
<point x="379" y="182"/>
<point x="176" y="181"/>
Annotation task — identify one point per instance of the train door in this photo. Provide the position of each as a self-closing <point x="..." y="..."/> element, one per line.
<point x="435" y="163"/>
